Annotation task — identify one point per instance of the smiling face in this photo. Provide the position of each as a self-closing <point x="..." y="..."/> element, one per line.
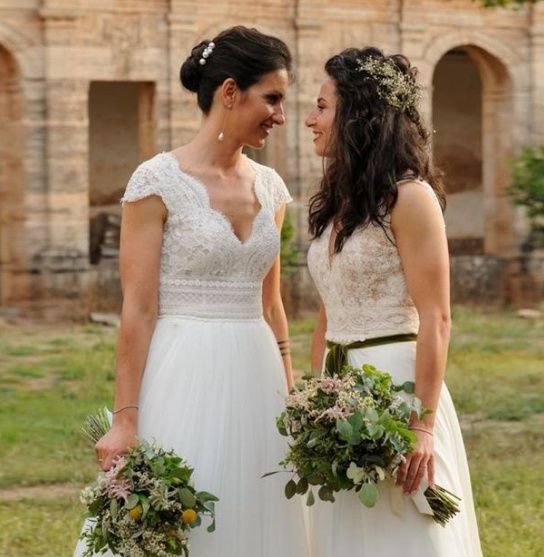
<point x="321" y="118"/>
<point x="259" y="109"/>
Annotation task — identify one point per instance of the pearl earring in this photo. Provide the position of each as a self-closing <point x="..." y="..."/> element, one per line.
<point x="221" y="135"/>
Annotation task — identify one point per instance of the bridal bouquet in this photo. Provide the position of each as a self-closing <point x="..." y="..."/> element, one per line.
<point x="350" y="431"/>
<point x="145" y="505"/>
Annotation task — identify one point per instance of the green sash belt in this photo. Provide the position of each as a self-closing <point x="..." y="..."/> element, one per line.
<point x="337" y="357"/>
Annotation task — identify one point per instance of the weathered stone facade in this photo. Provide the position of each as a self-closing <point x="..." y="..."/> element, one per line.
<point x="89" y="88"/>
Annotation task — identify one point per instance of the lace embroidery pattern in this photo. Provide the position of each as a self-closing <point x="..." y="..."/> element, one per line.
<point x="363" y="287"/>
<point x="205" y="271"/>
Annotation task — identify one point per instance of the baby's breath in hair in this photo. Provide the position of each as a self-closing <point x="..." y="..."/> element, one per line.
<point x="394" y="87"/>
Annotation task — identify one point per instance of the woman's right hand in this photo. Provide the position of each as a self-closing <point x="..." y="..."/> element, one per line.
<point x="115" y="443"/>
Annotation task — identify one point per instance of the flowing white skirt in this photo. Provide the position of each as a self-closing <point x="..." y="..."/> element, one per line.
<point x="211" y="391"/>
<point x="346" y="527"/>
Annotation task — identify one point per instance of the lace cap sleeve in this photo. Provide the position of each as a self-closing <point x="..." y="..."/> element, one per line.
<point x="143" y="183"/>
<point x="279" y="192"/>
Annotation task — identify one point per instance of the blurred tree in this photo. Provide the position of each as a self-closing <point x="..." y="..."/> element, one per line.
<point x="289" y="250"/>
<point x="527" y="190"/>
<point x="493" y="3"/>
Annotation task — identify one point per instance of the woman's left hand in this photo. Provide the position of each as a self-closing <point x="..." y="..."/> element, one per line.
<point x="418" y="464"/>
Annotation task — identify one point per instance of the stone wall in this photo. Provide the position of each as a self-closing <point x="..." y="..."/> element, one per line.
<point x="52" y="51"/>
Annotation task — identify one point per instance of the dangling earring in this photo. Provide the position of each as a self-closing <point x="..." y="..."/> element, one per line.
<point x="221" y="135"/>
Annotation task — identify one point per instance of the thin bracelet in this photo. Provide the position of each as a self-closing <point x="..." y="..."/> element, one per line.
<point x="423" y="430"/>
<point x="124" y="408"/>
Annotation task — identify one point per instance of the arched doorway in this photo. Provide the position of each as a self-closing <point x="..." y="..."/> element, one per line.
<point x="457" y="142"/>
<point x="473" y="116"/>
<point x="11" y="177"/>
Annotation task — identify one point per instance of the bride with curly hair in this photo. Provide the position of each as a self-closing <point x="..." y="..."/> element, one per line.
<point x="379" y="258"/>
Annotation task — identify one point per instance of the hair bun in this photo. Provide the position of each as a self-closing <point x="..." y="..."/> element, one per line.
<point x="190" y="73"/>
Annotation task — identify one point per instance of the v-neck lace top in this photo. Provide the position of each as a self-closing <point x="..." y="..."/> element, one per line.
<point x="363" y="287"/>
<point x="205" y="270"/>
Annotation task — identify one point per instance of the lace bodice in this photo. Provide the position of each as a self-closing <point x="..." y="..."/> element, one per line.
<point x="205" y="270"/>
<point x="363" y="287"/>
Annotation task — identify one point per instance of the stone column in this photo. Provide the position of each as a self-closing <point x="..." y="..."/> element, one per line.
<point x="24" y="220"/>
<point x="537" y="71"/>
<point x="184" y="118"/>
<point x="65" y="259"/>
<point x="35" y="216"/>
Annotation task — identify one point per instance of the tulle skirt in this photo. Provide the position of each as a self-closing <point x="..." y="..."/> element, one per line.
<point x="211" y="391"/>
<point x="346" y="527"/>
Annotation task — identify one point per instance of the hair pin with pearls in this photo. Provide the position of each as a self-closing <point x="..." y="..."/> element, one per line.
<point x="207" y="53"/>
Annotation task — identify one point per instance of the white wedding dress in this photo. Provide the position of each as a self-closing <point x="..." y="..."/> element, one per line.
<point x="364" y="293"/>
<point x="214" y="381"/>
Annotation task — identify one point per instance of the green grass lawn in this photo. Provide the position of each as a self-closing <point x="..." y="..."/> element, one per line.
<point x="51" y="377"/>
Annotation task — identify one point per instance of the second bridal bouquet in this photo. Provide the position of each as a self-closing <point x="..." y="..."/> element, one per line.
<point x="145" y="505"/>
<point x="349" y="432"/>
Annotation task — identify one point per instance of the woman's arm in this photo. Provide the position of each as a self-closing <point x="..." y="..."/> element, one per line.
<point x="273" y="309"/>
<point x="418" y="226"/>
<point x="318" y="341"/>
<point x="141" y="239"/>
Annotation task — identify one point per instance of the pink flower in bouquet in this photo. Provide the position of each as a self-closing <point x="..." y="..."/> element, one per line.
<point x="331" y="385"/>
<point x="336" y="413"/>
<point x="117" y="488"/>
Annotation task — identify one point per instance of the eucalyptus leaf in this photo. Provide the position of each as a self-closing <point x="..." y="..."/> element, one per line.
<point x="132" y="501"/>
<point x="326" y="494"/>
<point x="186" y="497"/>
<point x="205" y="496"/>
<point x="310" y="500"/>
<point x="368" y="494"/>
<point x="209" y="506"/>
<point x="345" y="431"/>
<point x="409" y="387"/>
<point x="302" y="486"/>
<point x="372" y="415"/>
<point x="290" y="489"/>
<point x="356" y="421"/>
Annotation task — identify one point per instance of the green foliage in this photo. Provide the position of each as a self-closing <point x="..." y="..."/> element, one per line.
<point x="289" y="249"/>
<point x="348" y="431"/>
<point x="496" y="3"/>
<point x="527" y="190"/>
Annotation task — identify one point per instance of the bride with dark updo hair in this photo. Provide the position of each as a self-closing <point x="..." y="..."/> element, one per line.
<point x="203" y="349"/>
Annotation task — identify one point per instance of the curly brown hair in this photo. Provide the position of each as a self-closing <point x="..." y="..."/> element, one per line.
<point x="374" y="145"/>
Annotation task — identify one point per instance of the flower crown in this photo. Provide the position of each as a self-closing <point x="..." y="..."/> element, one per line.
<point x="394" y="87"/>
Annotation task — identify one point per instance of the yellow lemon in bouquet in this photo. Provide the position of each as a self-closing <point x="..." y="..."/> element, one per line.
<point x="189" y="516"/>
<point x="136" y="512"/>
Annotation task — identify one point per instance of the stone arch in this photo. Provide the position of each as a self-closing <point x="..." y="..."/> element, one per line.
<point x="11" y="176"/>
<point x="439" y="45"/>
<point x="503" y="86"/>
<point x="18" y="45"/>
